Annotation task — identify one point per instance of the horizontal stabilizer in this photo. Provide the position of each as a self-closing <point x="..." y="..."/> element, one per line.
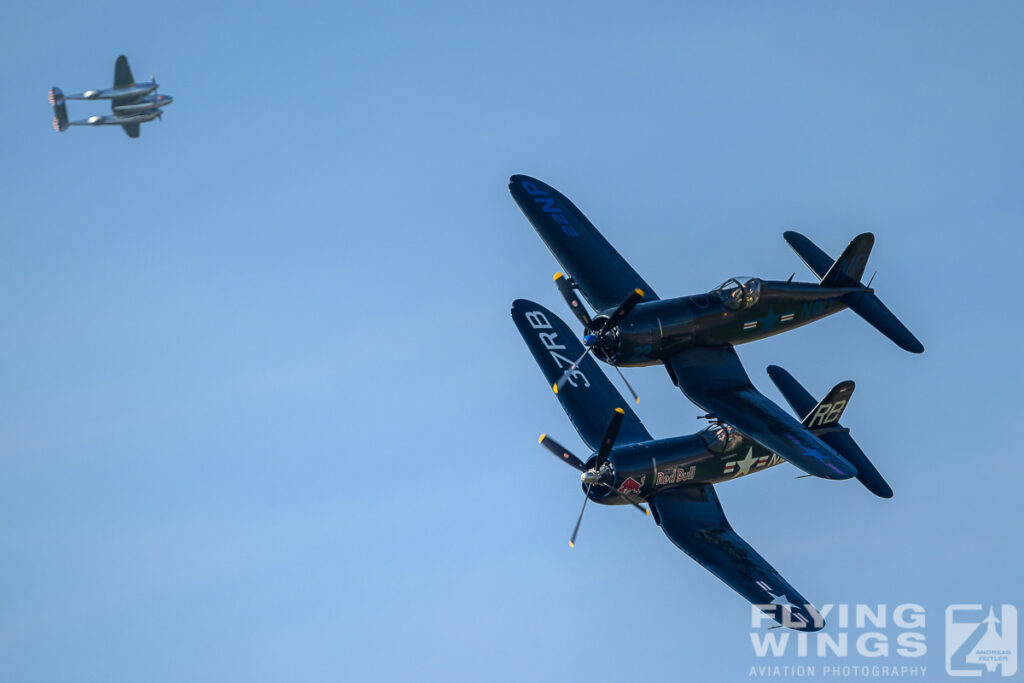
<point x="871" y="308"/>
<point x="846" y="271"/>
<point x="823" y="419"/>
<point x="866" y="472"/>
<point x="818" y="261"/>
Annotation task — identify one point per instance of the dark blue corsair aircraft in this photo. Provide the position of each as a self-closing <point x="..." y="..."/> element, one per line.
<point x="676" y="476"/>
<point x="694" y="335"/>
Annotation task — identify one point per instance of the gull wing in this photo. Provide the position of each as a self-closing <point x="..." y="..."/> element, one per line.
<point x="600" y="273"/>
<point x="589" y="397"/>
<point x="692" y="518"/>
<point x="714" y="379"/>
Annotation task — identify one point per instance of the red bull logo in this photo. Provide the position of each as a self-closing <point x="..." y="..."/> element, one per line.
<point x="631" y="485"/>
<point x="676" y="475"/>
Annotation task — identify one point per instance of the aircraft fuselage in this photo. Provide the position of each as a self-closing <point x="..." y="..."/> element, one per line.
<point x="131" y="103"/>
<point x="656" y="329"/>
<point x="715" y="455"/>
<point x="145" y="104"/>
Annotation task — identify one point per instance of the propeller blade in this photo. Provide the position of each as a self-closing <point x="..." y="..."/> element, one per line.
<point x="576" y="529"/>
<point x="630" y="302"/>
<point x="572" y="368"/>
<point x="610" y="434"/>
<point x="635" y="504"/>
<point x="561" y="452"/>
<point x="628" y="385"/>
<point x="569" y="294"/>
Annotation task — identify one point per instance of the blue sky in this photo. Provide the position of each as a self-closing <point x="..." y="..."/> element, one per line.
<point x="265" y="415"/>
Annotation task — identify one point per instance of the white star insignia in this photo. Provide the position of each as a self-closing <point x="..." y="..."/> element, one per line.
<point x="780" y="599"/>
<point x="746" y="463"/>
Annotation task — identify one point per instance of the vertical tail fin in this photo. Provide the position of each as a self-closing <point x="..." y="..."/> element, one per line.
<point x="826" y="414"/>
<point x="849" y="267"/>
<point x="60" y="110"/>
<point x="823" y="419"/>
<point x="123" y="73"/>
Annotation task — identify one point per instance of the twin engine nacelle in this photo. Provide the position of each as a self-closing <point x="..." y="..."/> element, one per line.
<point x="146" y="104"/>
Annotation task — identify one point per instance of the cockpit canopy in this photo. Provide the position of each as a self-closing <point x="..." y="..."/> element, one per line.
<point x="721" y="438"/>
<point x="739" y="292"/>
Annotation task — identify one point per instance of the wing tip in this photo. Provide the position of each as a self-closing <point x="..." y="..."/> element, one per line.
<point x="519" y="178"/>
<point x="844" y="470"/>
<point x="912" y="345"/>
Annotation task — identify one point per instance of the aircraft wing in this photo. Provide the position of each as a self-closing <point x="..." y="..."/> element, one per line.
<point x="601" y="274"/>
<point x="714" y="379"/>
<point x="589" y="397"/>
<point x="692" y="518"/>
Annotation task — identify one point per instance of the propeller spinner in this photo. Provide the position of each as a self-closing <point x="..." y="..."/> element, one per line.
<point x="594" y="337"/>
<point x="599" y="473"/>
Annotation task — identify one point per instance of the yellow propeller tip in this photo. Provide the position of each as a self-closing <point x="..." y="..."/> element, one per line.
<point x="638" y="400"/>
<point x="648" y="511"/>
<point x="640" y="291"/>
<point x="554" y="387"/>
<point x="620" y="411"/>
<point x="571" y="544"/>
<point x="541" y="439"/>
<point x="558" y="275"/>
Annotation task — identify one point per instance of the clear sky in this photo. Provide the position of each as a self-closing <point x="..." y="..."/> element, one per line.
<point x="265" y="416"/>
